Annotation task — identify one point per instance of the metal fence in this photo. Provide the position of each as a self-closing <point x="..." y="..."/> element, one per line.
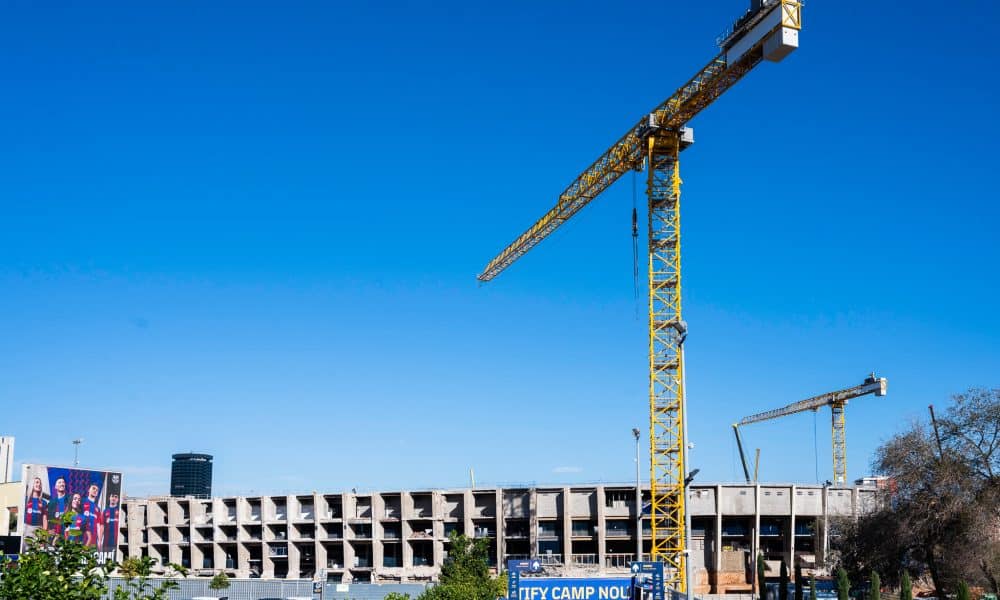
<point x="281" y="589"/>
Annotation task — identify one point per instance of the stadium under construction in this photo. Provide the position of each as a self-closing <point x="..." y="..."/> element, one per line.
<point x="402" y="536"/>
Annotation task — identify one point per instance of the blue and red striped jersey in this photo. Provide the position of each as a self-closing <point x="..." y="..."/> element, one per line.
<point x="34" y="509"/>
<point x="110" y="541"/>
<point x="92" y="516"/>
<point x="57" y="507"/>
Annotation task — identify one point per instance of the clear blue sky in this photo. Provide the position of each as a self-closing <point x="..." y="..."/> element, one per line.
<point x="253" y="230"/>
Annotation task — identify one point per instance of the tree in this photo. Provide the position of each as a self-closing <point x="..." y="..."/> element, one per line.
<point x="812" y="588"/>
<point x="971" y="434"/>
<point x="465" y="574"/>
<point x="905" y="588"/>
<point x="54" y="569"/>
<point x="139" y="583"/>
<point x="219" y="582"/>
<point x="940" y="512"/>
<point x="843" y="585"/>
<point x="783" y="582"/>
<point x="875" y="593"/>
<point x="396" y="596"/>
<point x="798" y="582"/>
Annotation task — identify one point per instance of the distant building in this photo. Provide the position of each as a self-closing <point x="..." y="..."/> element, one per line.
<point x="191" y="475"/>
<point x="6" y="459"/>
<point x="11" y="506"/>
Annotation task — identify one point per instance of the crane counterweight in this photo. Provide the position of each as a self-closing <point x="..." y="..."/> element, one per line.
<point x="777" y="23"/>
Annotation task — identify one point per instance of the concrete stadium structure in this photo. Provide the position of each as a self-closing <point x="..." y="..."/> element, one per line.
<point x="402" y="536"/>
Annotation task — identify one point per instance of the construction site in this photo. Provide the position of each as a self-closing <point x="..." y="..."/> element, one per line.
<point x="667" y="534"/>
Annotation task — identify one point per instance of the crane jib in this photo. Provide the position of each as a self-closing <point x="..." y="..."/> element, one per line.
<point x="876" y="387"/>
<point x="721" y="73"/>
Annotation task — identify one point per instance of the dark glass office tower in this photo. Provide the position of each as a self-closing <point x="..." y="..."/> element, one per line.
<point x="191" y="475"/>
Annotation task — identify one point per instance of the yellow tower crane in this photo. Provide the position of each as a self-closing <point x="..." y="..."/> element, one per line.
<point x="837" y="401"/>
<point x="768" y="30"/>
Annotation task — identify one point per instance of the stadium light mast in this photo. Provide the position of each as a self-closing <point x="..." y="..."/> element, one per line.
<point x="76" y="451"/>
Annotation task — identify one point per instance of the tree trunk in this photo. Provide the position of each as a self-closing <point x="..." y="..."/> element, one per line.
<point x="989" y="576"/>
<point x="933" y="568"/>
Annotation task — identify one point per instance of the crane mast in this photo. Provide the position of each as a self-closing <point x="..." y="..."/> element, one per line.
<point x="837" y="401"/>
<point x="769" y="30"/>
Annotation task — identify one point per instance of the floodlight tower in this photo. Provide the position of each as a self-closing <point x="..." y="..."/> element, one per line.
<point x="76" y="451"/>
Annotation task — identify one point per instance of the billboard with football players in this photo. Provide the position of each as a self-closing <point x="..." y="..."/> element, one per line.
<point x="73" y="504"/>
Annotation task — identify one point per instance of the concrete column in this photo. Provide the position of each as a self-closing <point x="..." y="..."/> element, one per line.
<point x="267" y="563"/>
<point x="468" y="507"/>
<point x="756" y="533"/>
<point x="501" y="531"/>
<point x="717" y="542"/>
<point x="317" y="504"/>
<point x="602" y="551"/>
<point x="242" y="511"/>
<point x="135" y="522"/>
<point x="349" y="555"/>
<point x="567" y="527"/>
<point x="533" y="522"/>
<point x="791" y="536"/>
<point x="242" y="560"/>
<point x="320" y="561"/>
<point x="498" y="543"/>
<point x="437" y="514"/>
<point x="173" y="543"/>
<point x="219" y="557"/>
<point x="350" y="505"/>
<point x="294" y="560"/>
<point x="321" y="558"/>
<point x="197" y="557"/>
<point x="378" y="513"/>
<point x="406" y="530"/>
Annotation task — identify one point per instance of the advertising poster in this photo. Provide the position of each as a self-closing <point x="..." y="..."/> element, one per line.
<point x="74" y="504"/>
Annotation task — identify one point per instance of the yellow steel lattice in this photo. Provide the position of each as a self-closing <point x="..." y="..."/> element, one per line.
<point x="666" y="373"/>
<point x="791" y="14"/>
<point x="629" y="151"/>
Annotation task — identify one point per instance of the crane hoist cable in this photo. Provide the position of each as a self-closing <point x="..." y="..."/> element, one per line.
<point x="635" y="247"/>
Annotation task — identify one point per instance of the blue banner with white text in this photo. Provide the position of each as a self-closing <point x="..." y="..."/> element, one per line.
<point x="539" y="588"/>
